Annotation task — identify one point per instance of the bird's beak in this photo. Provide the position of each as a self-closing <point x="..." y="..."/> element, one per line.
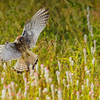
<point x="16" y="41"/>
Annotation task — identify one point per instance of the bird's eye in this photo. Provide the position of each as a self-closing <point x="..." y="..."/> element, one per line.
<point x="20" y="40"/>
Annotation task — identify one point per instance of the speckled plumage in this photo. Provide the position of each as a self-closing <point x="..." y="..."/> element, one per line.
<point x="19" y="48"/>
<point x="23" y="64"/>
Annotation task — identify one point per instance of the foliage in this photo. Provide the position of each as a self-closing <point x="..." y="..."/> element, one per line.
<point x="61" y="39"/>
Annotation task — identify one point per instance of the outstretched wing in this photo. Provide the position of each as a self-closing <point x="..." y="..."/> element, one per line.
<point x="9" y="52"/>
<point x="35" y="26"/>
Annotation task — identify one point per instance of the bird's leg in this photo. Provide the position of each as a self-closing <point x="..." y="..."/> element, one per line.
<point x="28" y="53"/>
<point x="23" y="56"/>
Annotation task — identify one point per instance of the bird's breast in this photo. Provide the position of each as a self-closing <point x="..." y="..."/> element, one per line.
<point x="21" y="47"/>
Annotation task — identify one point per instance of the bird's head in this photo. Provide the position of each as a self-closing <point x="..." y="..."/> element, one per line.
<point x="20" y="39"/>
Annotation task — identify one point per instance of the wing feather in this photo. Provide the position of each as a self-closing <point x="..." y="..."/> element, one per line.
<point x="35" y="26"/>
<point x="9" y="52"/>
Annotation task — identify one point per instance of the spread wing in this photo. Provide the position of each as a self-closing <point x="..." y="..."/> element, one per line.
<point x="9" y="52"/>
<point x="35" y="26"/>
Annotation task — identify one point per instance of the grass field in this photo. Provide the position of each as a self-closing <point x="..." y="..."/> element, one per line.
<point x="68" y="50"/>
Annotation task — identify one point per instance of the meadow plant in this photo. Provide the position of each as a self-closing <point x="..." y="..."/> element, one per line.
<point x="92" y="52"/>
<point x="78" y="96"/>
<point x="45" y="90"/>
<point x="13" y="87"/>
<point x="53" y="94"/>
<point x="47" y="75"/>
<point x="71" y="56"/>
<point x="37" y="69"/>
<point x="37" y="98"/>
<point x="26" y="87"/>
<point x="84" y="55"/>
<point x="72" y="63"/>
<point x="85" y="38"/>
<point x="64" y="82"/>
<point x="93" y="61"/>
<point x="82" y="87"/>
<point x="3" y="73"/>
<point x="9" y="62"/>
<point x="36" y="79"/>
<point x="71" y="77"/>
<point x="45" y="69"/>
<point x="58" y="76"/>
<point x="59" y="64"/>
<point x="77" y="83"/>
<point x="70" y="59"/>
<point x="87" y="82"/>
<point x="18" y="96"/>
<point x="4" y="66"/>
<point x="59" y="94"/>
<point x="31" y="73"/>
<point x="48" y="98"/>
<point x="88" y="18"/>
<point x="42" y="69"/>
<point x="92" y="86"/>
<point x="30" y="67"/>
<point x="91" y="30"/>
<point x="23" y="75"/>
<point x="50" y="80"/>
<point x="2" y="80"/>
<point x="68" y="86"/>
<point x="9" y="92"/>
<point x="67" y="75"/>
<point x="95" y="45"/>
<point x="39" y="92"/>
<point x="4" y="93"/>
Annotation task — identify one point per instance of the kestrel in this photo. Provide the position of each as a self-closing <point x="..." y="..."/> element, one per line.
<point x="19" y="48"/>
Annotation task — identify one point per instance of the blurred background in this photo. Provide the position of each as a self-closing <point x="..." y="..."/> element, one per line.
<point x="65" y="29"/>
<point x="63" y="38"/>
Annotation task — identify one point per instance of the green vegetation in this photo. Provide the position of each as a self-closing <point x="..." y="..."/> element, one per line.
<point x="63" y="38"/>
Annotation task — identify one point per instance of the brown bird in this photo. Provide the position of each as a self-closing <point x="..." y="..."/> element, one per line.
<point x="19" y="49"/>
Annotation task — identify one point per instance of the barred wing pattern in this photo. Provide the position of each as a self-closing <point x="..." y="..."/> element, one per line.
<point x="9" y="52"/>
<point x="35" y="26"/>
<point x="20" y="65"/>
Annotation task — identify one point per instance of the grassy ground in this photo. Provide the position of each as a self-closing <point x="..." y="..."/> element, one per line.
<point x="71" y="67"/>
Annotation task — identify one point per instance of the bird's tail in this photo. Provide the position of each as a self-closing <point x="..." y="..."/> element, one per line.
<point x="23" y="64"/>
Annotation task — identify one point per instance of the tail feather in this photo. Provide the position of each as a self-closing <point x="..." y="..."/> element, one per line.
<point x="23" y="64"/>
<point x="20" y="65"/>
<point x="31" y="59"/>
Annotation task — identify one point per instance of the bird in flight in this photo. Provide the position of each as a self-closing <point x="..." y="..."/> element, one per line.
<point x="19" y="49"/>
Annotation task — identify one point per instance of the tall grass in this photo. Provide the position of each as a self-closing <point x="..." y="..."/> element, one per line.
<point x="68" y="49"/>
